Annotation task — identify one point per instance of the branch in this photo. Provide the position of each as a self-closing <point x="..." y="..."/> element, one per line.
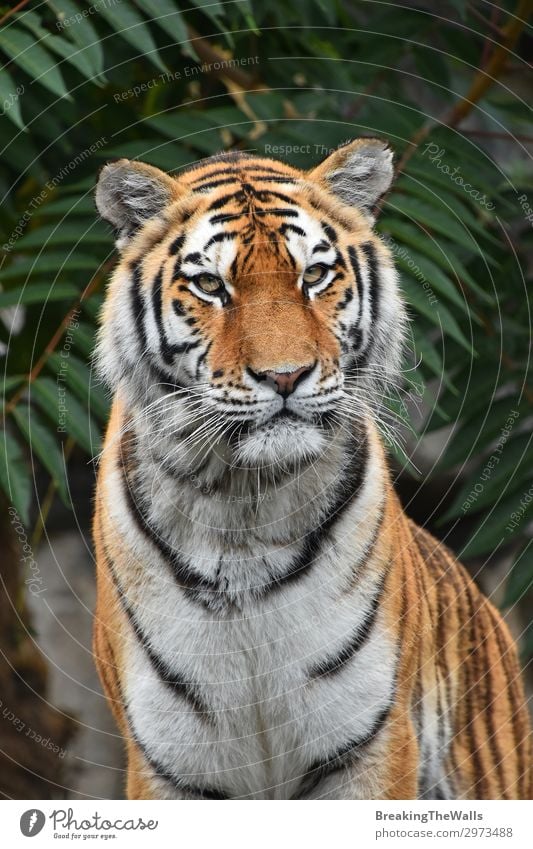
<point x="483" y="80"/>
<point x="12" y="11"/>
<point x="211" y="56"/>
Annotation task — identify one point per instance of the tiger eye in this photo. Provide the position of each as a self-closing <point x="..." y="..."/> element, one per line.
<point x="314" y="274"/>
<point x="209" y="283"/>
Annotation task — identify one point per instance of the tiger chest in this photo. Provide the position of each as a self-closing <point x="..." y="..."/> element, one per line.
<point x="233" y="706"/>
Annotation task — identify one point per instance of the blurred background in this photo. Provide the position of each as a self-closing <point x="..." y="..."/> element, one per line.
<point x="170" y="82"/>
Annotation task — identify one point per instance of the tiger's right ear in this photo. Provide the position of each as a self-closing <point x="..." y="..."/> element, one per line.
<point x="130" y="193"/>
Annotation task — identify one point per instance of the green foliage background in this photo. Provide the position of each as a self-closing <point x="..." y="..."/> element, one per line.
<point x="170" y="82"/>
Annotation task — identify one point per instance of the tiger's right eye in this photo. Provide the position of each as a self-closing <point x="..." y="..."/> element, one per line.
<point x="210" y="284"/>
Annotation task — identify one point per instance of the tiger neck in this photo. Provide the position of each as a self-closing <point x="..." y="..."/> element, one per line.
<point x="233" y="534"/>
<point x="275" y="505"/>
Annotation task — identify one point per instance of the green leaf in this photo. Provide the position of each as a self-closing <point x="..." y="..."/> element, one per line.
<point x="167" y="16"/>
<point x="496" y="527"/>
<point x="505" y="468"/>
<point x="10" y="95"/>
<point x="433" y="68"/>
<point x="67" y="413"/>
<point x="212" y="8"/>
<point x="50" y="262"/>
<point x="57" y="44"/>
<point x="166" y="155"/>
<point x="127" y="22"/>
<point x="84" y="339"/>
<point x="68" y="206"/>
<point x="93" y="305"/>
<point x="439" y="221"/>
<point x="197" y="129"/>
<point x="66" y="233"/>
<point x="43" y="445"/>
<point x="36" y="293"/>
<point x="32" y="58"/>
<point x="10" y="382"/>
<point x="427" y="352"/>
<point x="446" y="204"/>
<point x="441" y="252"/>
<point x="76" y="374"/>
<point x="81" y="31"/>
<point x="425" y="271"/>
<point x="15" y="478"/>
<point x="437" y="313"/>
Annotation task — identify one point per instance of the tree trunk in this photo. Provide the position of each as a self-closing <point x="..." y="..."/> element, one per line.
<point x="33" y="734"/>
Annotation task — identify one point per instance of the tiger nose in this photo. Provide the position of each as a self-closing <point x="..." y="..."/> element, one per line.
<point x="284" y="382"/>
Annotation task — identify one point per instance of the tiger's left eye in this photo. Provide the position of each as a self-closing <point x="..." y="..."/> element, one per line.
<point x="314" y="274"/>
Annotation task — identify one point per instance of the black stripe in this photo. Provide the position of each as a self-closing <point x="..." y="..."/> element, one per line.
<point x="214" y="183"/>
<point x="293" y="229"/>
<point x="194" y="257"/>
<point x="288" y="180"/>
<point x="223" y="236"/>
<point x="225" y="217"/>
<point x="348" y="297"/>
<point x="354" y="262"/>
<point x="186" y="577"/>
<point x="352" y="481"/>
<point x="244" y="168"/>
<point x="167" y="350"/>
<point x="173" y="680"/>
<point x="344" y="757"/>
<point x="166" y="353"/>
<point x="225" y="199"/>
<point x="374" y="288"/>
<point x="330" y="232"/>
<point x="137" y="305"/>
<point x="264" y="195"/>
<point x="374" y="294"/>
<point x="329" y="666"/>
<point x="154" y="763"/>
<point x="276" y="211"/>
<point x="177" y="244"/>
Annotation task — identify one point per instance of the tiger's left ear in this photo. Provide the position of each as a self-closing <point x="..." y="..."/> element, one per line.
<point x="358" y="173"/>
<point x="130" y="193"/>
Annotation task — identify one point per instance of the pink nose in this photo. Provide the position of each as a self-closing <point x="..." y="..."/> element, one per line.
<point x="287" y="381"/>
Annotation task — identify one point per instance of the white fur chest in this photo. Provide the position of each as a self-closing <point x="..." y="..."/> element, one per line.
<point x="233" y="701"/>
<point x="258" y="719"/>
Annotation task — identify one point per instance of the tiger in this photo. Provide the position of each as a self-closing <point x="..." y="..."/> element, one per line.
<point x="269" y="622"/>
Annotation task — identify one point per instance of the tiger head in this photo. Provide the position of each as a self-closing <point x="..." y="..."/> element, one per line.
<point x="253" y="302"/>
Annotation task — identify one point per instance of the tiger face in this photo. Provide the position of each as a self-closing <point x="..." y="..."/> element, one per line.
<point x="253" y="302"/>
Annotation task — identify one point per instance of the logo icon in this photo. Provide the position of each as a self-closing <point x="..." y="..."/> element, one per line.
<point x="32" y="822"/>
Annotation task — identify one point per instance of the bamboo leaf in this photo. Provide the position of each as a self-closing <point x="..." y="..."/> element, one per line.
<point x="520" y="580"/>
<point x="36" y="293"/>
<point x="74" y="373"/>
<point x="15" y="478"/>
<point x="67" y="413"/>
<point x="32" y="58"/>
<point x="168" y="17"/>
<point x="10" y="95"/>
<point x="78" y="27"/>
<point x="43" y="446"/>
<point x="127" y="22"/>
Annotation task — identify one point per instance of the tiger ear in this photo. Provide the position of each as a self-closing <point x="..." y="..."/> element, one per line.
<point x="358" y="173"/>
<point x="130" y="193"/>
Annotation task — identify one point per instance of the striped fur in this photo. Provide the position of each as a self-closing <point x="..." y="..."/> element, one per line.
<point x="269" y="623"/>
